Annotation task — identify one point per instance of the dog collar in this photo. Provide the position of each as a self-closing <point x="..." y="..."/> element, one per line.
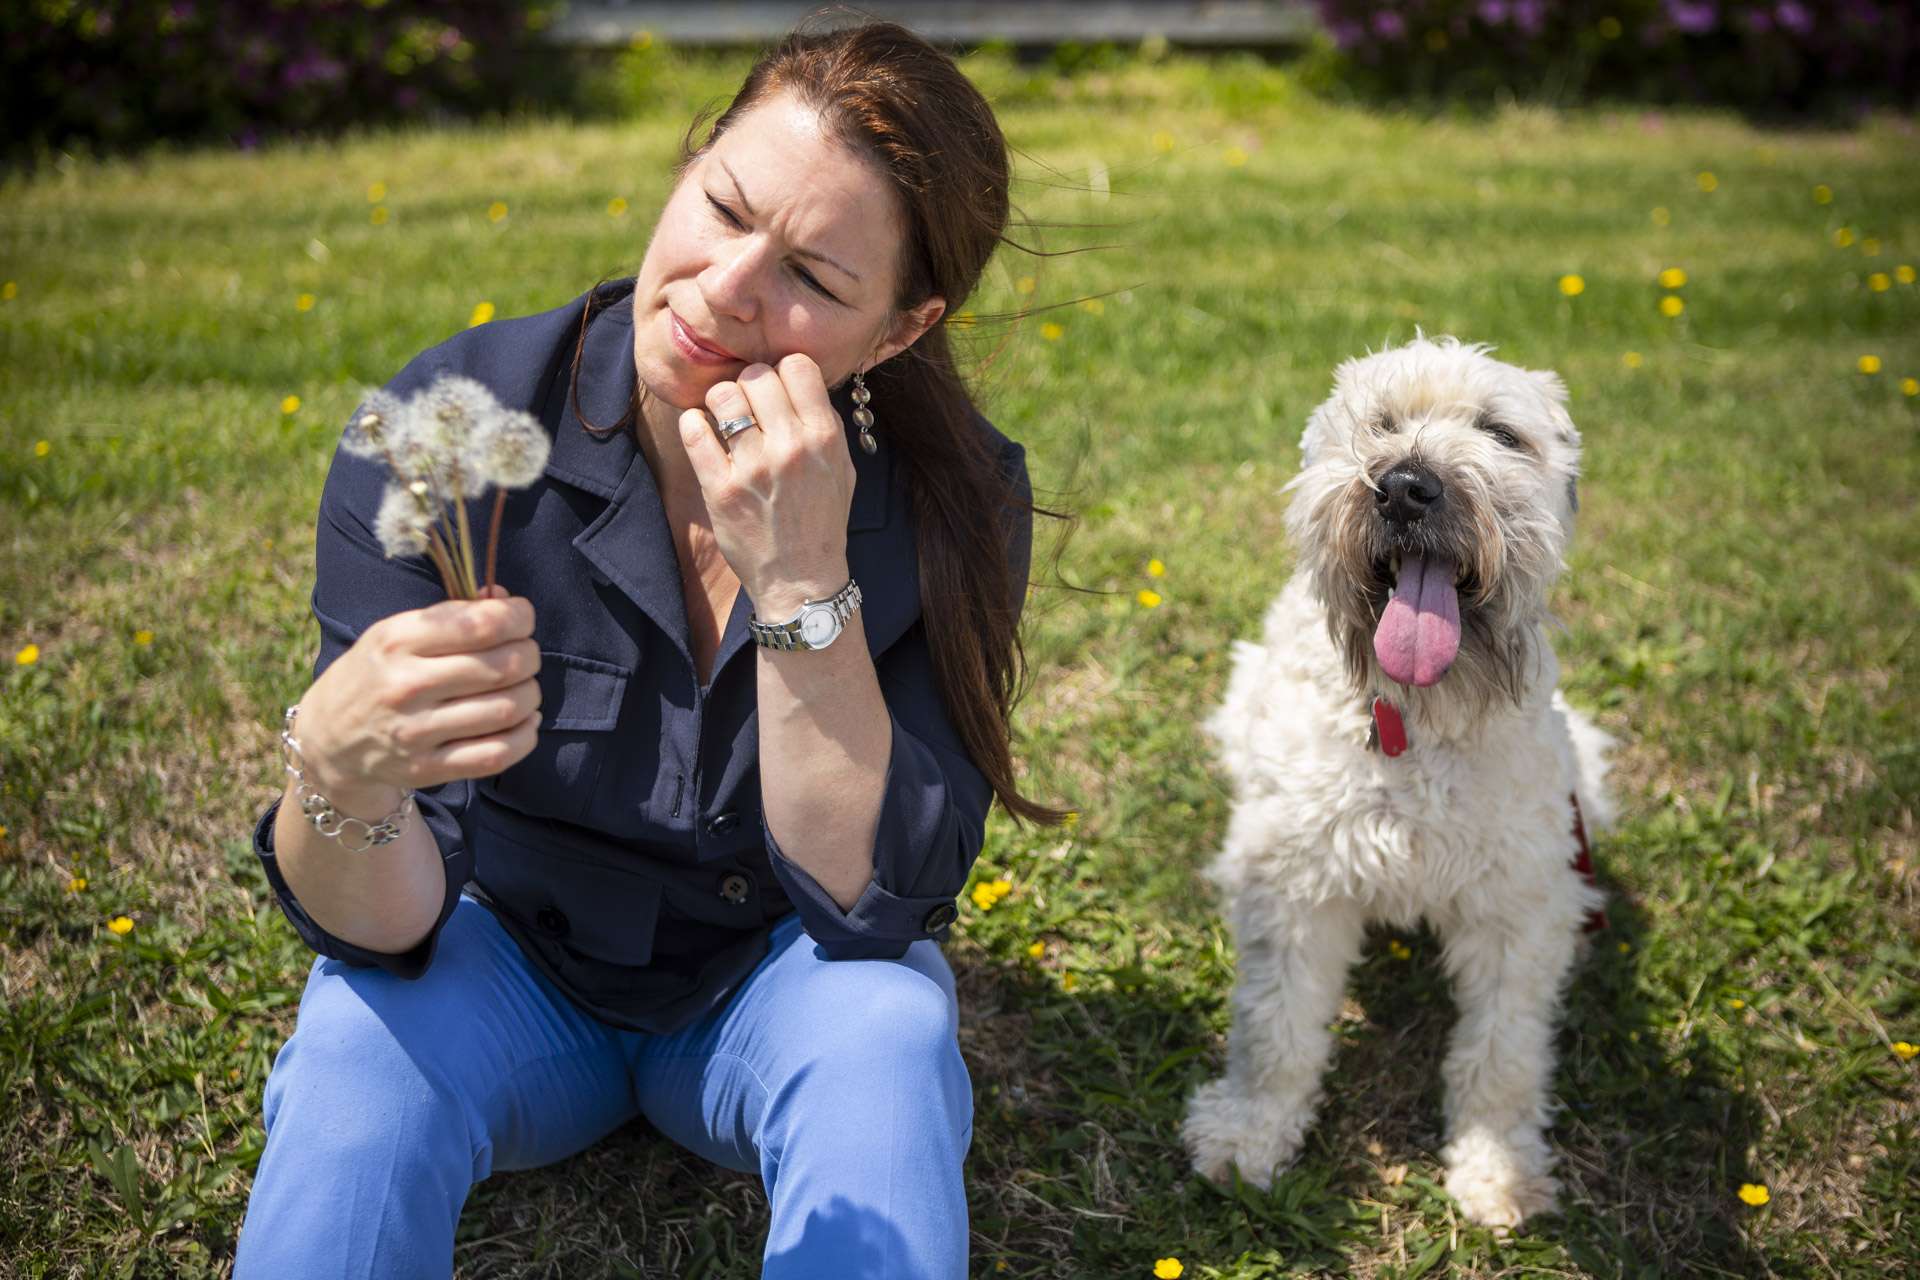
<point x="1386" y="731"/>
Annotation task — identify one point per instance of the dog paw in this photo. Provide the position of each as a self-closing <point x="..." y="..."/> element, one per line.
<point x="1225" y="1130"/>
<point x="1493" y="1186"/>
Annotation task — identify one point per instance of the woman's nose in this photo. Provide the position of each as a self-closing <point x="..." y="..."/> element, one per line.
<point x="731" y="283"/>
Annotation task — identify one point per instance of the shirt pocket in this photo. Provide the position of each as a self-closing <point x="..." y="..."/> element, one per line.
<point x="580" y="701"/>
<point x="591" y="918"/>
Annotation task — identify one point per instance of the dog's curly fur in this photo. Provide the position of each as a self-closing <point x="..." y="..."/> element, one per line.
<point x="1472" y="827"/>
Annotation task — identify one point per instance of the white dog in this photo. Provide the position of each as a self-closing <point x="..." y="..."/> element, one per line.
<point x="1398" y="749"/>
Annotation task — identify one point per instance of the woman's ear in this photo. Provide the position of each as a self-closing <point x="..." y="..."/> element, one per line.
<point x="908" y="327"/>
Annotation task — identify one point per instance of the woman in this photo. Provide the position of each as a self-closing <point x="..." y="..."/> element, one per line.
<point x="709" y="804"/>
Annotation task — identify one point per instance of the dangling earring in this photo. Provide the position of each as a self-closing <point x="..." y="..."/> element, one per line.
<point x="863" y="416"/>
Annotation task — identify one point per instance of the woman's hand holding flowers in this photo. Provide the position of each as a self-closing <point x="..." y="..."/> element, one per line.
<point x="778" y="496"/>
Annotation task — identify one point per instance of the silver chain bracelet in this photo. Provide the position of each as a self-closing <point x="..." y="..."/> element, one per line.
<point x="320" y="811"/>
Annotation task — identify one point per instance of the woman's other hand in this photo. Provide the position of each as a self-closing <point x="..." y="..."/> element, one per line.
<point x="423" y="697"/>
<point x="778" y="496"/>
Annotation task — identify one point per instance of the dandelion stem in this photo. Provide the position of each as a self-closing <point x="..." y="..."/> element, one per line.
<point x="437" y="548"/>
<point x="466" y="542"/>
<point x="493" y="531"/>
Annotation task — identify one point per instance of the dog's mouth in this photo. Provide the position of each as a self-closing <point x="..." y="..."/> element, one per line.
<point x="1418" y="635"/>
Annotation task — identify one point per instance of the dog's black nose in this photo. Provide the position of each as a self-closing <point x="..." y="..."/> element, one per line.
<point x="1408" y="492"/>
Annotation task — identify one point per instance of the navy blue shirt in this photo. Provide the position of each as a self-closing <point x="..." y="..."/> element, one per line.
<point x="627" y="854"/>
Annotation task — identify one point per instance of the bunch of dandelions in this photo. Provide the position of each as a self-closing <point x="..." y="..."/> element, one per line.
<point x="444" y="447"/>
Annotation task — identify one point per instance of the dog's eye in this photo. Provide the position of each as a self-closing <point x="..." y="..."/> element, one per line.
<point x="1503" y="437"/>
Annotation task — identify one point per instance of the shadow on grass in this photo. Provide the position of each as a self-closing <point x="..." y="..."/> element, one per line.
<point x="1079" y="1169"/>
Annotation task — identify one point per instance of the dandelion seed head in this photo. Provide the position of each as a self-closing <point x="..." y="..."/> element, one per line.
<point x="380" y="420"/>
<point x="403" y="523"/>
<point x="512" y="452"/>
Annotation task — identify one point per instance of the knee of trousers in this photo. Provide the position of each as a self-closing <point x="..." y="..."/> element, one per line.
<point x="887" y="1034"/>
<point x="357" y="1085"/>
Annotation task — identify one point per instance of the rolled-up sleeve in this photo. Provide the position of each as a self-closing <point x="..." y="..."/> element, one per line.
<point x="933" y="810"/>
<point x="355" y="585"/>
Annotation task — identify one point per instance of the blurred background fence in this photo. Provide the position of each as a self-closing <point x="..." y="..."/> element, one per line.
<point x="120" y="74"/>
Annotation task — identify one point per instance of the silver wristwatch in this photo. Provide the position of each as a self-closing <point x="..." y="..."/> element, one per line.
<point x="817" y="625"/>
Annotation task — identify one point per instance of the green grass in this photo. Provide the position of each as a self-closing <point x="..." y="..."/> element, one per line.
<point x="1741" y="611"/>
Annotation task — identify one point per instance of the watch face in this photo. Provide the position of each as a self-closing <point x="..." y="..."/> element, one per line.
<point x="819" y="626"/>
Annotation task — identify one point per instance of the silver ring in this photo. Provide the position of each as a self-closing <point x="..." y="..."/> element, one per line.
<point x="734" y="426"/>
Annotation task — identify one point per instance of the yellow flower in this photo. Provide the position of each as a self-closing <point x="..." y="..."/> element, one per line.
<point x="1905" y="1051"/>
<point x="304" y="302"/>
<point x="963" y="320"/>
<point x="496" y="211"/>
<point x="1660" y="215"/>
<point x="1903" y="273"/>
<point x="1093" y="306"/>
<point x="121" y="925"/>
<point x="376" y="192"/>
<point x="27" y="656"/>
<point x="1879" y="282"/>
<point x="1843" y="237"/>
<point x="379" y="215"/>
<point x="482" y="312"/>
<point x="1753" y="1193"/>
<point x="1068" y="981"/>
<point x="1707" y="181"/>
<point x="1025" y="284"/>
<point x="77" y="885"/>
<point x="1051" y="331"/>
<point x="41" y="448"/>
<point x="1672" y="278"/>
<point x="1633" y="359"/>
<point x="1625" y="947"/>
<point x="1736" y="1003"/>
<point x="617" y="207"/>
<point x="1910" y="386"/>
<point x="1155" y="569"/>
<point x="1037" y="949"/>
<point x="1823" y="194"/>
<point x="1868" y="364"/>
<point x="290" y="405"/>
<point x="143" y="637"/>
<point x="1167" y="1269"/>
<point x="1070" y="819"/>
<point x="1234" y="157"/>
<point x="987" y="894"/>
<point x="1671" y="306"/>
<point x="1162" y="141"/>
<point x="10" y="290"/>
<point x="1572" y="286"/>
<point x="1398" y="949"/>
<point x="1148" y="597"/>
<point x="641" y="40"/>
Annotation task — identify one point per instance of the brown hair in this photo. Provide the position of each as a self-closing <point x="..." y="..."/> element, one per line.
<point x="889" y="95"/>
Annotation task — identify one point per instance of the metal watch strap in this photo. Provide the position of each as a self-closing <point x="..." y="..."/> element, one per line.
<point x="786" y="635"/>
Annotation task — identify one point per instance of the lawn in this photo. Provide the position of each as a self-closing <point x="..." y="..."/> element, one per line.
<point x="182" y="335"/>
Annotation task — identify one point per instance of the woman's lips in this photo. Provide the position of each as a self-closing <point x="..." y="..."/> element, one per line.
<point x="693" y="348"/>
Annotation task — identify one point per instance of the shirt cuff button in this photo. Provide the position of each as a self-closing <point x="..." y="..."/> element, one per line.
<point x="940" y="917"/>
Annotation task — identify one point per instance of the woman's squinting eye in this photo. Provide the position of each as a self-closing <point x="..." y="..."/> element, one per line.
<point x="734" y="220"/>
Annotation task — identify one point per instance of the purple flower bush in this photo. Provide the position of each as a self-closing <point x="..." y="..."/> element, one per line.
<point x="1768" y="57"/>
<point x="121" y="73"/>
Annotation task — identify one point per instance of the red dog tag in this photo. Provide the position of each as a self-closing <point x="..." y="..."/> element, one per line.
<point x="1386" y="721"/>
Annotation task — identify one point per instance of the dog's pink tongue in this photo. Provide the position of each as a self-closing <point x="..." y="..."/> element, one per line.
<point x="1419" y="631"/>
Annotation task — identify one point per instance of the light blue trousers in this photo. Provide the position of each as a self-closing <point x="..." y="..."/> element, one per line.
<point x="839" y="1080"/>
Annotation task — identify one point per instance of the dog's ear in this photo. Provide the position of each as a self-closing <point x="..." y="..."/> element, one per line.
<point x="1549" y="381"/>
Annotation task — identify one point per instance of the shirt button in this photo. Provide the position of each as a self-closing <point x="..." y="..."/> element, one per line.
<point x="940" y="917"/>
<point x="553" y="921"/>
<point x="735" y="888"/>
<point x="723" y="823"/>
